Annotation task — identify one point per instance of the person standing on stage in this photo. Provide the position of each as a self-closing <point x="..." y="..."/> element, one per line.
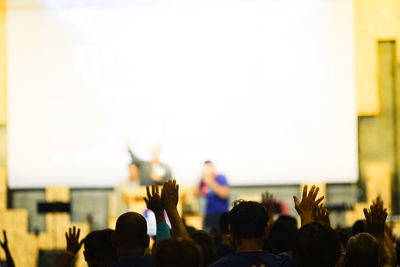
<point x="149" y="172"/>
<point x="215" y="189"/>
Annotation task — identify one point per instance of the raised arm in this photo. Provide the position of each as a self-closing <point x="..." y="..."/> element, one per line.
<point x="376" y="218"/>
<point x="4" y="245"/>
<point x="170" y="196"/>
<point x="73" y="246"/>
<point x="308" y="204"/>
<point x="269" y="203"/>
<point x="155" y="204"/>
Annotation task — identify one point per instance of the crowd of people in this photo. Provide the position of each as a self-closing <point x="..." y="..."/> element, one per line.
<point x="248" y="236"/>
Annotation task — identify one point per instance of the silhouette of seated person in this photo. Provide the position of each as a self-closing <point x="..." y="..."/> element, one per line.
<point x="131" y="240"/>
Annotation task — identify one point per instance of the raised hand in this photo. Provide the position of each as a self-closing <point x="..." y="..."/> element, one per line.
<point x="269" y="203"/>
<point x="170" y="194"/>
<point x="321" y="215"/>
<point x="72" y="238"/>
<point x="154" y="202"/>
<point x="308" y="204"/>
<point x="4" y="244"/>
<point x="376" y="218"/>
<point x="169" y="197"/>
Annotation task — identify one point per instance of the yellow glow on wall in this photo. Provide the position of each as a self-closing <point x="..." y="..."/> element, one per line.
<point x="374" y="20"/>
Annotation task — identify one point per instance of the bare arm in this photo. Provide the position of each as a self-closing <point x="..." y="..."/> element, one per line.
<point x="170" y="196"/>
<point x="376" y="218"/>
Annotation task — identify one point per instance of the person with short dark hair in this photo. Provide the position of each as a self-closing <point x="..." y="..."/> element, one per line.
<point x="248" y="227"/>
<point x="362" y="251"/>
<point x="131" y="240"/>
<point x="99" y="250"/>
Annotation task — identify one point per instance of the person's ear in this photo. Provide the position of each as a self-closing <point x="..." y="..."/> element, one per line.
<point x="267" y="230"/>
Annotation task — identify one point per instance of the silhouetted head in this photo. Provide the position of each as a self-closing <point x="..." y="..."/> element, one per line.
<point x="248" y="220"/>
<point x="99" y="250"/>
<point x="316" y="246"/>
<point x="177" y="253"/>
<point x="282" y="233"/>
<point x="131" y="233"/>
<point x="359" y="226"/>
<point x="206" y="243"/>
<point x="362" y="251"/>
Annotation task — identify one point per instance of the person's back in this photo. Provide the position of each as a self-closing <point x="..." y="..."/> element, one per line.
<point x="131" y="240"/>
<point x="248" y="227"/>
<point x="316" y="246"/>
<point x="362" y="251"/>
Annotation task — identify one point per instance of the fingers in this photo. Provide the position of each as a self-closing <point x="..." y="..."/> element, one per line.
<point x="296" y="201"/>
<point x="367" y="214"/>
<point x="319" y="200"/>
<point x="148" y="192"/>
<point x="304" y="192"/>
<point x="78" y="233"/>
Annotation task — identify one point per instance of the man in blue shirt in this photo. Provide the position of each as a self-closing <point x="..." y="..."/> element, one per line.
<point x="214" y="187"/>
<point x="248" y="228"/>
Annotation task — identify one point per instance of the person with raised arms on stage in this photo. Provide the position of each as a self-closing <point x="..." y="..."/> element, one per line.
<point x="149" y="172"/>
<point x="215" y="189"/>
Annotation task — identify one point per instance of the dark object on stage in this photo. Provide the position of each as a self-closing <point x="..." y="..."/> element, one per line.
<point x="46" y="207"/>
<point x="342" y="207"/>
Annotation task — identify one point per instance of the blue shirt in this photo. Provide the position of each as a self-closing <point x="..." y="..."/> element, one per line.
<point x="134" y="261"/>
<point x="249" y="259"/>
<point x="214" y="203"/>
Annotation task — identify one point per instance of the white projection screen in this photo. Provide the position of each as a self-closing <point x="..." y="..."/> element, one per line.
<point x="264" y="89"/>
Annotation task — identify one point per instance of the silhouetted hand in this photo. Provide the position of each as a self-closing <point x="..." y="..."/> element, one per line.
<point x="4" y="244"/>
<point x="170" y="194"/>
<point x="376" y="218"/>
<point x="72" y="237"/>
<point x="269" y="203"/>
<point x="308" y="204"/>
<point x="153" y="200"/>
<point x="321" y="215"/>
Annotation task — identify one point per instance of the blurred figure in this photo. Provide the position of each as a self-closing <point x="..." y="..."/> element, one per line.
<point x="141" y="173"/>
<point x="99" y="250"/>
<point x="214" y="188"/>
<point x="149" y="173"/>
<point x="206" y="243"/>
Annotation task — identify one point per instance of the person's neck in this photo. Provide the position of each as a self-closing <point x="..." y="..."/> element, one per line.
<point x="248" y="245"/>
<point x="154" y="161"/>
<point x="126" y="252"/>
